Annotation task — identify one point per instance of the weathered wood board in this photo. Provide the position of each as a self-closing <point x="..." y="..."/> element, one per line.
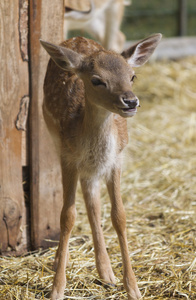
<point x="13" y="87"/>
<point x="46" y="22"/>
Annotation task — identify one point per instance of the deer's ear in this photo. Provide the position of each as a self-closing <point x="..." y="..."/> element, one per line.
<point x="65" y="58"/>
<point x="138" y="54"/>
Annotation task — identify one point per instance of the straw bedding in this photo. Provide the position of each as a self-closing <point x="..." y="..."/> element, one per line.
<point x="159" y="192"/>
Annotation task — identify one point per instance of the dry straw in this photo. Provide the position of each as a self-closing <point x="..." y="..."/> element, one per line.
<point x="159" y="192"/>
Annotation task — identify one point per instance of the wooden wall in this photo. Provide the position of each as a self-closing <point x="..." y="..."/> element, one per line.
<point x="23" y="64"/>
<point x="14" y="86"/>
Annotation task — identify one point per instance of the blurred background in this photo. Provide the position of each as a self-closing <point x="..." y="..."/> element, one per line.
<point x="116" y="28"/>
<point x="171" y="18"/>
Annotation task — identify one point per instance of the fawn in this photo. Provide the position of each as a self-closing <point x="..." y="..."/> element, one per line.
<point x="87" y="98"/>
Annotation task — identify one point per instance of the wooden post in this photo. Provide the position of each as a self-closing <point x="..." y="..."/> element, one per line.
<point x="13" y="89"/>
<point x="46" y="22"/>
<point x="182" y="18"/>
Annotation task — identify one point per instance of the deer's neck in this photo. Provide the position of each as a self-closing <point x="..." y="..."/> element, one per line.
<point x="97" y="120"/>
<point x="97" y="143"/>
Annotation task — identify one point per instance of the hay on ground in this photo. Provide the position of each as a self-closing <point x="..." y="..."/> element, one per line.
<point x="159" y="193"/>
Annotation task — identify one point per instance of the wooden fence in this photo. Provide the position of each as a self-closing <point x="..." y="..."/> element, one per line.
<point x="23" y="64"/>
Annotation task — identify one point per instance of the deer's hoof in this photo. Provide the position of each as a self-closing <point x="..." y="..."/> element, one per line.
<point x="134" y="294"/>
<point x="55" y="295"/>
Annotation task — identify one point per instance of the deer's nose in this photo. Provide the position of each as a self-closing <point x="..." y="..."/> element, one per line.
<point x="129" y="99"/>
<point x="131" y="103"/>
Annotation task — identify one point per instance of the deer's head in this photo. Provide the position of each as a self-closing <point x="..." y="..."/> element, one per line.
<point x="108" y="77"/>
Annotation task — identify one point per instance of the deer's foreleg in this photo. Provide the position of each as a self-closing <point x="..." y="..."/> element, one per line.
<point x="68" y="214"/>
<point x="90" y="189"/>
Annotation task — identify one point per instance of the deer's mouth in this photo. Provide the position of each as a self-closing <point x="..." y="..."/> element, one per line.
<point x="129" y="112"/>
<point x="129" y="109"/>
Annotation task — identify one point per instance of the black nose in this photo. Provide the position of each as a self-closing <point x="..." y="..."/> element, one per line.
<point x="130" y="103"/>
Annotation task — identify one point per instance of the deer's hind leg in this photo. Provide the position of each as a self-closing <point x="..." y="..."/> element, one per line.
<point x="90" y="189"/>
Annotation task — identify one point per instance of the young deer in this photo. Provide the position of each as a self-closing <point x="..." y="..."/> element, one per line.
<point x="87" y="98"/>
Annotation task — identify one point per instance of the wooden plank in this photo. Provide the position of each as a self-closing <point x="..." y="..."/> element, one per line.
<point x="13" y="87"/>
<point x="182" y="17"/>
<point x="46" y="22"/>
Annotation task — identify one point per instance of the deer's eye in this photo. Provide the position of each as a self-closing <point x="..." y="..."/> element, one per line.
<point x="133" y="78"/>
<point x="96" y="81"/>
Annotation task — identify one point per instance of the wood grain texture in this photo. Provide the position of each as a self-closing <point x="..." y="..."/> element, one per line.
<point x="46" y="22"/>
<point x="13" y="86"/>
